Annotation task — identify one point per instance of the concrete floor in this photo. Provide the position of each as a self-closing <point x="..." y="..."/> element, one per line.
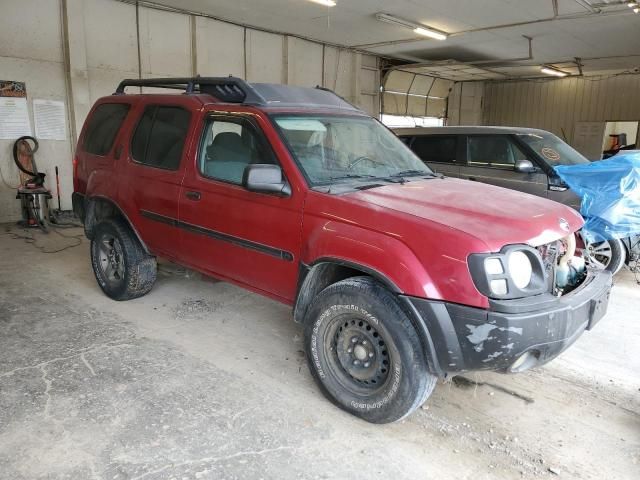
<point x="201" y="379"/>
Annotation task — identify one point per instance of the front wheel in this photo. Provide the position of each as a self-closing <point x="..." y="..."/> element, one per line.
<point x="364" y="353"/>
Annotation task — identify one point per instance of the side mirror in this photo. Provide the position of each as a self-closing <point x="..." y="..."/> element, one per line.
<point x="265" y="178"/>
<point x="525" y="166"/>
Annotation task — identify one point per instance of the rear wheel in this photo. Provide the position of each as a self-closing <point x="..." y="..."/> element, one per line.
<point x="364" y="353"/>
<point x="607" y="255"/>
<point x="122" y="268"/>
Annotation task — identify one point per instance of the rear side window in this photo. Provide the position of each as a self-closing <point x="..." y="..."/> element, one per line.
<point x="436" y="149"/>
<point x="103" y="127"/>
<point x="160" y="136"/>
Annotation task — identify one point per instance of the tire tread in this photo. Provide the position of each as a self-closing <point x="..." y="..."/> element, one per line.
<point x="141" y="268"/>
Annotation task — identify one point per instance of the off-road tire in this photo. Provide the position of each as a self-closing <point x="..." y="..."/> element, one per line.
<point x="362" y="309"/>
<point x="140" y="269"/>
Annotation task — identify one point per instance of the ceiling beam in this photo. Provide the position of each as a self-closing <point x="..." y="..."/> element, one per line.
<point x="571" y="16"/>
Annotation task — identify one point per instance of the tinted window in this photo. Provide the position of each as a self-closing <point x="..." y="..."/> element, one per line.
<point x="229" y="146"/>
<point x="496" y="151"/>
<point x="160" y="136"/>
<point x="141" y="137"/>
<point x="103" y="127"/>
<point x="436" y="149"/>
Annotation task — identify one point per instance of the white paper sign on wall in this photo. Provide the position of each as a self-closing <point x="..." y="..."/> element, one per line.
<point x="14" y="118"/>
<point x="49" y="117"/>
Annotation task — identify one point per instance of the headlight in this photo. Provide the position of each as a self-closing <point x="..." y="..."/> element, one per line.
<point x="520" y="269"/>
<point x="516" y="271"/>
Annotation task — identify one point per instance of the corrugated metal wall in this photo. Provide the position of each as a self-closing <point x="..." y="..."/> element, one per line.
<point x="557" y="105"/>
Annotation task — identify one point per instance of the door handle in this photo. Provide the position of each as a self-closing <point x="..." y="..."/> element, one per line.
<point x="193" y="196"/>
<point x="473" y="179"/>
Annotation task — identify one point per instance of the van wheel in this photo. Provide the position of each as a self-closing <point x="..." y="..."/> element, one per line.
<point x="609" y="255"/>
<point x="364" y="353"/>
<point x="122" y="268"/>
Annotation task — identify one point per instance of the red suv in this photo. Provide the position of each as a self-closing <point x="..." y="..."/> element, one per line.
<point x="399" y="275"/>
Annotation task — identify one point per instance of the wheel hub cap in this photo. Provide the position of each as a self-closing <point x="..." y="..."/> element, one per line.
<point x="111" y="259"/>
<point x="361" y="353"/>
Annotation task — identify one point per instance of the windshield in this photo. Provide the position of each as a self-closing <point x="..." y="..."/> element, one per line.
<point x="333" y="149"/>
<point x="552" y="150"/>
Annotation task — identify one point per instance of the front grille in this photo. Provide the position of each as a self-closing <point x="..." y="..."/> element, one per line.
<point x="550" y="253"/>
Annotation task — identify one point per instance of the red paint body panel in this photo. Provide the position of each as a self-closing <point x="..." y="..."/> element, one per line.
<point x="417" y="235"/>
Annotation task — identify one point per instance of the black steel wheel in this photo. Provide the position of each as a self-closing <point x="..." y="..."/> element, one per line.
<point x="359" y="354"/>
<point x="364" y="352"/>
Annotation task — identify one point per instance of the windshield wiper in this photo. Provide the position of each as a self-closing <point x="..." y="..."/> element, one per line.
<point x="413" y="173"/>
<point x="352" y="175"/>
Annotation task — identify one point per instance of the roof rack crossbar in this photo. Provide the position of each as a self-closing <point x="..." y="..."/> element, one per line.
<point x="227" y="89"/>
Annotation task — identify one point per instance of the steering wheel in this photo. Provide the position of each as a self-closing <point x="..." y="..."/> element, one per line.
<point x="362" y="159"/>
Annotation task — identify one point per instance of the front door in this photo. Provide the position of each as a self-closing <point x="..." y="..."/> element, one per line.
<point x="232" y="233"/>
<point x="492" y="159"/>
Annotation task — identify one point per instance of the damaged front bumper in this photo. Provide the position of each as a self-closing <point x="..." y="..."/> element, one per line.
<point x="512" y="335"/>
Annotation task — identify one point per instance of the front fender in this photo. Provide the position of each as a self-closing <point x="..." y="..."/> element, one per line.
<point x="389" y="258"/>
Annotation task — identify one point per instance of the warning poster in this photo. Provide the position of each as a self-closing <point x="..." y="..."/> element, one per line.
<point x="9" y="88"/>
<point x="14" y="113"/>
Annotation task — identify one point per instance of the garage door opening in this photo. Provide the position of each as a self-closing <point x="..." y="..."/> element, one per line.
<point x="405" y="121"/>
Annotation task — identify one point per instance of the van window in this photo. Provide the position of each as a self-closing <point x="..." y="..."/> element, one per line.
<point x="160" y="136"/>
<point x="494" y="150"/>
<point x="230" y="144"/>
<point x="436" y="148"/>
<point x="103" y="127"/>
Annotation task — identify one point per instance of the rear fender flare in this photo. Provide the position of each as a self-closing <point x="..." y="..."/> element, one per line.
<point x="99" y="207"/>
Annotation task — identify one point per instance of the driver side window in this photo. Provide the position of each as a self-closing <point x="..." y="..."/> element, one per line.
<point x="229" y="145"/>
<point x="494" y="151"/>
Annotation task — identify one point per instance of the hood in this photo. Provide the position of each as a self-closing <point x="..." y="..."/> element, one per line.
<point x="495" y="215"/>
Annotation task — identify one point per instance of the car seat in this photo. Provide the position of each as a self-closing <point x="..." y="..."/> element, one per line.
<point x="227" y="157"/>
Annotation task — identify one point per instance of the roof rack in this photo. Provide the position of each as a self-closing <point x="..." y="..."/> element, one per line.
<point x="227" y="89"/>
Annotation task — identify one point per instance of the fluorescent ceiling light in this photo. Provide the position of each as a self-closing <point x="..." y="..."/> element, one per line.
<point x="636" y="10"/>
<point x="632" y="4"/>
<point x="326" y="3"/>
<point x="553" y="71"/>
<point x="427" y="32"/>
<point x="416" y="27"/>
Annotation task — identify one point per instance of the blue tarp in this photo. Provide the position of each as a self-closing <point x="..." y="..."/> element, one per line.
<point x="610" y="192"/>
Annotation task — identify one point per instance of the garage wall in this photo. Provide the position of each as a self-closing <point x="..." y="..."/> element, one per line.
<point x="465" y="102"/>
<point x="31" y="51"/>
<point x="78" y="50"/>
<point x="558" y="105"/>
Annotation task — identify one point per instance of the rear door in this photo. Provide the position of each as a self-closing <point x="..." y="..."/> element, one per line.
<point x="492" y="158"/>
<point x="248" y="237"/>
<point x="154" y="168"/>
<point x="440" y="152"/>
